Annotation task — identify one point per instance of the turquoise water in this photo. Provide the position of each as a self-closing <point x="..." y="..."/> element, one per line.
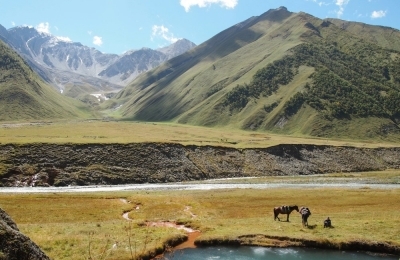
<point x="254" y="253"/>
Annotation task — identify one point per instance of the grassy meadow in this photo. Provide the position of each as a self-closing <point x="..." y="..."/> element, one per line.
<point x="97" y="131"/>
<point x="91" y="226"/>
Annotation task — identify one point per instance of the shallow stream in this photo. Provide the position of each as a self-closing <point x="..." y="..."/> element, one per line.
<point x="194" y="186"/>
<point x="254" y="253"/>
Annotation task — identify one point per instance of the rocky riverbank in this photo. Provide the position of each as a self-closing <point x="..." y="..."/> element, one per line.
<point x="110" y="164"/>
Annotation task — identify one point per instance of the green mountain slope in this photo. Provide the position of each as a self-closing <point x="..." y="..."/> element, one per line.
<point x="207" y="68"/>
<point x="284" y="72"/>
<point x="24" y="96"/>
<point x="385" y="37"/>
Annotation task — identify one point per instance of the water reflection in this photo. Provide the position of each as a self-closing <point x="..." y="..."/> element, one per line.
<point x="254" y="253"/>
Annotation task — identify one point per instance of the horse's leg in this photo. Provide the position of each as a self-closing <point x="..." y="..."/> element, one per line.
<point x="287" y="219"/>
<point x="276" y="215"/>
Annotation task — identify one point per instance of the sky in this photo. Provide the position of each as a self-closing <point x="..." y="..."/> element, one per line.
<point x="117" y="26"/>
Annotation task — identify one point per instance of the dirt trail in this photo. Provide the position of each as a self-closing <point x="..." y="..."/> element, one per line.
<point x="125" y="215"/>
<point x="192" y="233"/>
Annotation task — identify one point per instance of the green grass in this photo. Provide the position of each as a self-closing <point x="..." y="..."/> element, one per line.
<point x="64" y="225"/>
<point x="95" y="131"/>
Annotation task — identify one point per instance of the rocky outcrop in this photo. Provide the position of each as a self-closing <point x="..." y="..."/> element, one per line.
<point x="15" y="245"/>
<point x="93" y="164"/>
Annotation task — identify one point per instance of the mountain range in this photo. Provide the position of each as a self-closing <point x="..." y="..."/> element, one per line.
<point x="282" y="72"/>
<point x="74" y="68"/>
<point x="25" y="96"/>
<point x="285" y="72"/>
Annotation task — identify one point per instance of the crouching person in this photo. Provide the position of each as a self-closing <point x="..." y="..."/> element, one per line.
<point x="327" y="223"/>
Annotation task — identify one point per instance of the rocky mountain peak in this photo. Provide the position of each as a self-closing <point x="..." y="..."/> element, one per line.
<point x="277" y="14"/>
<point x="177" y="48"/>
<point x="62" y="58"/>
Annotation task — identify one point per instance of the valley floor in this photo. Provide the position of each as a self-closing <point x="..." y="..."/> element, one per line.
<point x="95" y="224"/>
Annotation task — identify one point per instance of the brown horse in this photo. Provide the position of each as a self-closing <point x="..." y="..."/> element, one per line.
<point x="284" y="210"/>
<point x="305" y="213"/>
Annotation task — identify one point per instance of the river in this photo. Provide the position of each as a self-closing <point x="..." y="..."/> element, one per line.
<point x="254" y="253"/>
<point x="192" y="186"/>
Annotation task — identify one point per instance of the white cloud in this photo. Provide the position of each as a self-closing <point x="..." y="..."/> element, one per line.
<point x="341" y="4"/>
<point x="163" y="32"/>
<point x="378" y="14"/>
<point x="229" y="4"/>
<point x="320" y="3"/>
<point x="13" y="23"/>
<point x="43" y="27"/>
<point x="97" y="40"/>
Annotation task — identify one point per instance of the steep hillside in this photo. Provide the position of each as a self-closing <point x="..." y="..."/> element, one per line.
<point x="185" y="81"/>
<point x="386" y="37"/>
<point x="285" y="72"/>
<point x="23" y="95"/>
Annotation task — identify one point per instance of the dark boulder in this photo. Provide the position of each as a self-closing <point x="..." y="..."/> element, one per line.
<point x="14" y="244"/>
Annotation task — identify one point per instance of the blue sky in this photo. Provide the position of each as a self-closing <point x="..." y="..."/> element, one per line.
<point x="116" y="26"/>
